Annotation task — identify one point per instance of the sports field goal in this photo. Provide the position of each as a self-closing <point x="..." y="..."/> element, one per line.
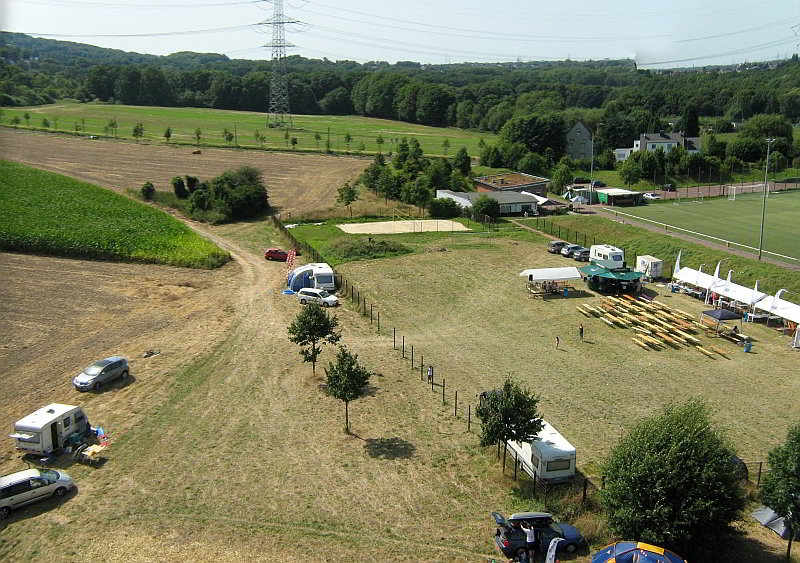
<point x="734" y="191"/>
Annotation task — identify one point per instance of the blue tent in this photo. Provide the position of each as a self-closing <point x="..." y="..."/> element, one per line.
<point x="635" y="552"/>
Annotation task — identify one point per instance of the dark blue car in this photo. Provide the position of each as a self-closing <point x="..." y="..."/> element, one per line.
<point x="510" y="538"/>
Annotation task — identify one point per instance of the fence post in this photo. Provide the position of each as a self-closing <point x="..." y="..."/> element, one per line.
<point x="432" y="389"/>
<point x="379" y="322"/>
<point x="351" y="293"/>
<point x="421" y="366"/>
<point x="443" y="382"/>
<point x="585" y="486"/>
<point x="365" y="309"/>
<point x="515" y="465"/>
<point x="760" y="464"/>
<point x="505" y="449"/>
<point x="404" y="345"/>
<point x="412" y="355"/>
<point x="455" y="409"/>
<point x="469" y="416"/>
<point x="370" y="313"/>
<point x="498" y="448"/>
<point x="394" y="338"/>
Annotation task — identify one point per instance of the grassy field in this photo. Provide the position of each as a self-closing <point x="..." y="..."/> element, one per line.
<point x="42" y="212"/>
<point x="93" y="118"/>
<point x="736" y="221"/>
<point x="636" y="242"/>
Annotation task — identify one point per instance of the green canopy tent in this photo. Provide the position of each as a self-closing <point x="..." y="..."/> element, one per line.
<point x="606" y="280"/>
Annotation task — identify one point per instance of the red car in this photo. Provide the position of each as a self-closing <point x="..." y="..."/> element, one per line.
<point x="276" y="254"/>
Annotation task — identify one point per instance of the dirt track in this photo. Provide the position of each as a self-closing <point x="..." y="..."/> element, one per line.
<point x="295" y="182"/>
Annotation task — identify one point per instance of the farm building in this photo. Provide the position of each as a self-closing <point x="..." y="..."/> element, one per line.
<point x="511" y="203"/>
<point x="513" y="181"/>
<point x="579" y="141"/>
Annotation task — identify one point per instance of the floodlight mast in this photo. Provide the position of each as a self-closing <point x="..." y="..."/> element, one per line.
<point x="278" y="113"/>
<point x="764" y="202"/>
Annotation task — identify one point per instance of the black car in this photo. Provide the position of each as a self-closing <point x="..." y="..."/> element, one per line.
<point x="668" y="187"/>
<point x="579" y="180"/>
<point x="510" y="538"/>
<point x="598" y="184"/>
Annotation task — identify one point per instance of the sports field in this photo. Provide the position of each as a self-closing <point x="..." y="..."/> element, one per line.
<point x="93" y="119"/>
<point x="737" y="221"/>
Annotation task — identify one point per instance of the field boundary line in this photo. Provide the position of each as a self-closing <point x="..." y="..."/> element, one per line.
<point x="703" y="235"/>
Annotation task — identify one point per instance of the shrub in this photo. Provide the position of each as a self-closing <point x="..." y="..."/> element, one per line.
<point x="200" y="200"/>
<point x="239" y="194"/>
<point x="670" y="480"/>
<point x="444" y="208"/>
<point x="364" y="249"/>
<point x="179" y="188"/>
<point x="485" y="205"/>
<point x="191" y="183"/>
<point x="148" y="189"/>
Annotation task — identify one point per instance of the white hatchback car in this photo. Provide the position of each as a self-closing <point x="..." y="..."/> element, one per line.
<point x="313" y="295"/>
<point x="651" y="196"/>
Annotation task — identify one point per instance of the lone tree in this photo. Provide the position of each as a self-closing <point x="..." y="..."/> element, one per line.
<point x="485" y="205"/>
<point x="27" y="117"/>
<point x="293" y="140"/>
<point x="167" y="134"/>
<point x="148" y="190"/>
<point x="345" y="380"/>
<point x="198" y="135"/>
<point x="781" y="490"/>
<point x="347" y="195"/>
<point x="312" y="328"/>
<point x="446" y="145"/>
<point x="509" y="413"/>
<point x="112" y="125"/>
<point x="227" y="136"/>
<point x="348" y="138"/>
<point x="630" y="171"/>
<point x="380" y="141"/>
<point x="671" y="480"/>
<point x="179" y="187"/>
<point x="317" y="138"/>
<point x="562" y="176"/>
<point x="138" y="130"/>
<point x="461" y="161"/>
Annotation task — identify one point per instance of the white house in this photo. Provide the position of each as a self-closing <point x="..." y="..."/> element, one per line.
<point x="511" y="203"/>
<point x="653" y="141"/>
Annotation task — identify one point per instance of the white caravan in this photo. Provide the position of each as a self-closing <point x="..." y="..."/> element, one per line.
<point x="607" y="256"/>
<point x="45" y="430"/>
<point x="550" y="458"/>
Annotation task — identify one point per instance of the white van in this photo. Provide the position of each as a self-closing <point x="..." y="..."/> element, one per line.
<point x="550" y="458"/>
<point x="46" y="429"/>
<point x="31" y="485"/>
<point x="607" y="256"/>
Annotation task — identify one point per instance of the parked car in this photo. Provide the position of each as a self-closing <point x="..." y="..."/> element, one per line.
<point x="579" y="180"/>
<point x="101" y="372"/>
<point x="569" y="249"/>
<point x="276" y="254"/>
<point x="668" y="187"/>
<point x="581" y="255"/>
<point x="649" y="196"/>
<point x="598" y="184"/>
<point x="314" y="295"/>
<point x="510" y="539"/>
<point x="31" y="485"/>
<point x="555" y="246"/>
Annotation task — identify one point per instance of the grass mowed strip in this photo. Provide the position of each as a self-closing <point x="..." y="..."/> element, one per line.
<point x="46" y="213"/>
<point x="737" y="220"/>
<point x="635" y="241"/>
<point x="93" y="119"/>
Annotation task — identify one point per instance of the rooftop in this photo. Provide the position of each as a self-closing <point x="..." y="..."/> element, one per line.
<point x="510" y="180"/>
<point x="500" y="197"/>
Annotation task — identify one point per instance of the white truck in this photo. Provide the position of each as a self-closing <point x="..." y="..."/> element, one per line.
<point x="607" y="256"/>
<point x="549" y="458"/>
<point x="46" y="429"/>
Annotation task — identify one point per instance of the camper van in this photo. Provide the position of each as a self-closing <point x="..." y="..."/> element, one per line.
<point x="318" y="275"/>
<point x="607" y="256"/>
<point x="549" y="458"/>
<point x="46" y="429"/>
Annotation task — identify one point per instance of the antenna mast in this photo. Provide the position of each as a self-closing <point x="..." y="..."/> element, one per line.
<point x="279" y="115"/>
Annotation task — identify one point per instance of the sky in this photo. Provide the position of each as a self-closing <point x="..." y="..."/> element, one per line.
<point x="674" y="33"/>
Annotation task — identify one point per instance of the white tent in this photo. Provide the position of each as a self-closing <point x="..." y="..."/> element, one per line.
<point x="551" y="274"/>
<point x="774" y="305"/>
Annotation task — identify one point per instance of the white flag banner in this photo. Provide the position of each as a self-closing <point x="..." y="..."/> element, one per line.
<point x="551" y="551"/>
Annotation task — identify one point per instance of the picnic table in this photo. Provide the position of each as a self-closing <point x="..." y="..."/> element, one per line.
<point x="90" y="454"/>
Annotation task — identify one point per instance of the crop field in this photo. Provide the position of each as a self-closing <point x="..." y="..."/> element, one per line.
<point x="93" y="118"/>
<point x="735" y="220"/>
<point x="51" y="214"/>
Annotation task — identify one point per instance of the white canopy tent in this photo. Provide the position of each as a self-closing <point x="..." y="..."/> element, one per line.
<point x="551" y="274"/>
<point x="774" y="305"/>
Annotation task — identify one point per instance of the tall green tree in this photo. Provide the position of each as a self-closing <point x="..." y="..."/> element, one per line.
<point x="485" y="205"/>
<point x="348" y="138"/>
<point x="781" y="489"/>
<point x="168" y="134"/>
<point x="138" y="131"/>
<point x="670" y="480"/>
<point x="690" y="122"/>
<point x="317" y="138"/>
<point x="630" y="171"/>
<point x="510" y="413"/>
<point x="198" y="135"/>
<point x="312" y="328"/>
<point x="446" y="145"/>
<point x="345" y="380"/>
<point x="562" y="176"/>
<point x="380" y="141"/>
<point x="462" y="162"/>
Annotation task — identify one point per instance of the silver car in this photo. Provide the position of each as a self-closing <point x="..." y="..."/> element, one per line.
<point x="101" y="372"/>
<point x="31" y="485"/>
<point x="314" y="295"/>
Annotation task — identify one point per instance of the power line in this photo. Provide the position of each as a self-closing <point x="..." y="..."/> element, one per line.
<point x="157" y="34"/>
<point x="760" y="47"/>
<point x="79" y="4"/>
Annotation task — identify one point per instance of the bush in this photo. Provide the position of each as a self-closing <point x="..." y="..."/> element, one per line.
<point x="191" y="183"/>
<point x="485" y="205"/>
<point x="444" y="208"/>
<point x="239" y="194"/>
<point x="148" y="189"/>
<point x="179" y="188"/>
<point x="670" y="480"/>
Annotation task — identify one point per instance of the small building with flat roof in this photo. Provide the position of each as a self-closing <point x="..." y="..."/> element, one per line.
<point x="513" y="182"/>
<point x="618" y="196"/>
<point x="511" y="203"/>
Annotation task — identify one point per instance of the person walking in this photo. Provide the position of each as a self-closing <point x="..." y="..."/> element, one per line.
<point x="430" y="374"/>
<point x="558" y="341"/>
<point x="580" y="331"/>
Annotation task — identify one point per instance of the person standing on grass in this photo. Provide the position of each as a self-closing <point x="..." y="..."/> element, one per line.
<point x="558" y="341"/>
<point x="580" y="331"/>
<point x="430" y="374"/>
